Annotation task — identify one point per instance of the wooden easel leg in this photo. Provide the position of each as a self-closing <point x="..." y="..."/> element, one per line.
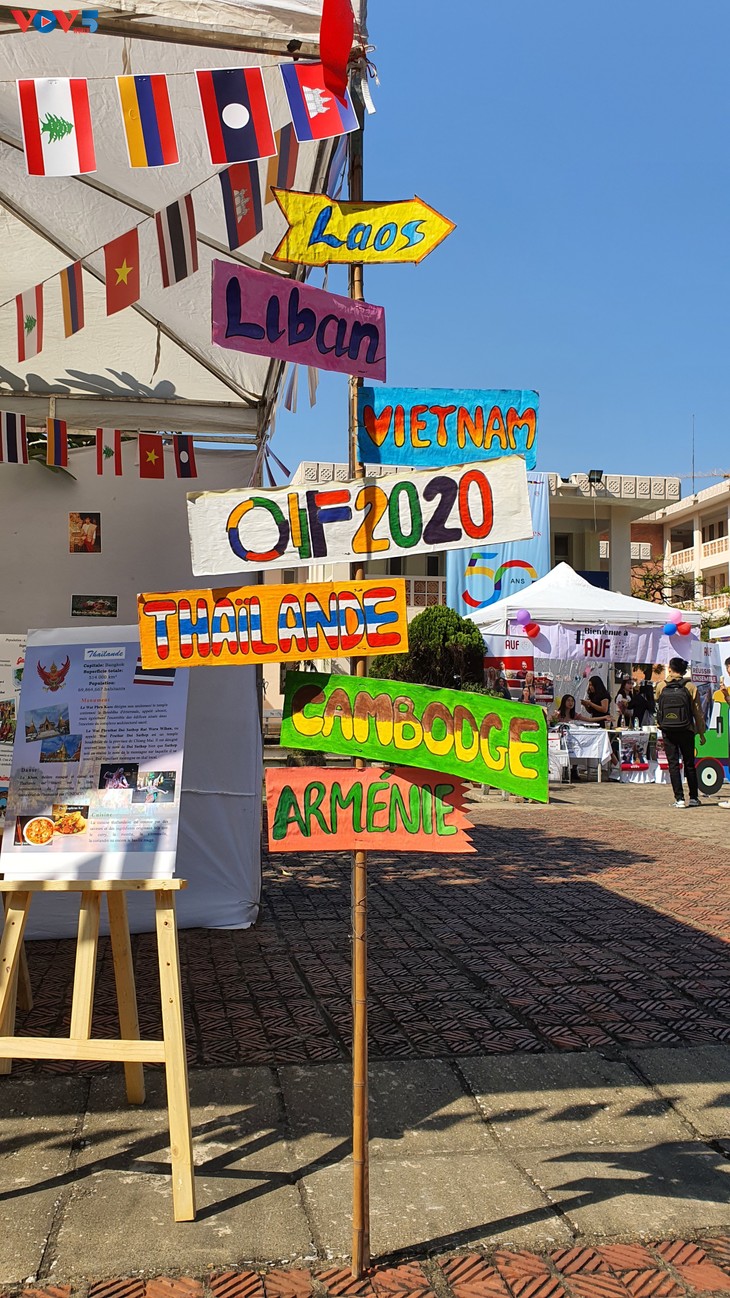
<point x="126" y="993"/>
<point x="11" y="946"/>
<point x="82" y="1005"/>
<point x="25" y="991"/>
<point x="176" y="1067"/>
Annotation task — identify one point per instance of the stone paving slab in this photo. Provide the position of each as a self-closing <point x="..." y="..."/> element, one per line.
<point x="640" y="1191"/>
<point x="696" y="1082"/>
<point x="564" y="1099"/>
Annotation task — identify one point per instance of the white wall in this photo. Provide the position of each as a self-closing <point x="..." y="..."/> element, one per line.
<point x="145" y="547"/>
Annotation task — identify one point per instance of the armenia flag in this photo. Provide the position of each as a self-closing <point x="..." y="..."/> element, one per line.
<point x="72" y="299"/>
<point x="316" y="112"/>
<point x="147" y="121"/>
<point x="29" y="314"/>
<point x="109" y="447"/>
<point x="241" y="190"/>
<point x="177" y="240"/>
<point x="13" y="439"/>
<point x="236" y="114"/>
<point x="57" y="443"/>
<point x="56" y="121"/>
<point x="282" y="169"/>
<point x="184" y="456"/>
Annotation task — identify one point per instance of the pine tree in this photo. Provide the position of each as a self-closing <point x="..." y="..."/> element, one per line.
<point x="57" y="127"/>
<point x="29" y="324"/>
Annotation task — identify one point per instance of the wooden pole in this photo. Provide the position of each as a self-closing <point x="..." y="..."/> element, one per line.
<point x="361" y="1176"/>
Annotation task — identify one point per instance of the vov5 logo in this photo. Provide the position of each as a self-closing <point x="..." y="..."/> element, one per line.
<point x="48" y="20"/>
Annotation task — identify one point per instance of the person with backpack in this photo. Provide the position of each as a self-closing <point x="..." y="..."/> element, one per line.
<point x="679" y="717"/>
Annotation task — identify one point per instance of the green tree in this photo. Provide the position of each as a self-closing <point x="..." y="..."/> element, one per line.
<point x="444" y="650"/>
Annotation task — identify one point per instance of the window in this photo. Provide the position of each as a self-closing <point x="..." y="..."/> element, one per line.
<point x="395" y="567"/>
<point x="721" y="528"/>
<point x="433" y="563"/>
<point x="563" y="547"/>
<point x="711" y="532"/>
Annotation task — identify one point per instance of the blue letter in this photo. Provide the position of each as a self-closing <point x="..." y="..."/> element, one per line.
<point x="235" y="326"/>
<point x="318" y="233"/>
<point x="412" y="234"/>
<point x="301" y="323"/>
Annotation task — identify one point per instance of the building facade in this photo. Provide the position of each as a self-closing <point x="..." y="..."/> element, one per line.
<point x="695" y="540"/>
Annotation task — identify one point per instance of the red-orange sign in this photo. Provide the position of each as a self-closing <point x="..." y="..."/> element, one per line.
<point x="318" y="810"/>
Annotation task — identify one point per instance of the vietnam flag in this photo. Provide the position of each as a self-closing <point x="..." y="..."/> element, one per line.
<point x="121" y="271"/>
<point x="151" y="456"/>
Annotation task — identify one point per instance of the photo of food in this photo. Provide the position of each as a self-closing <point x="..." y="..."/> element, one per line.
<point x="118" y="775"/>
<point x="93" y="606"/>
<point x="64" y="748"/>
<point x="68" y="819"/>
<point x="84" y="533"/>
<point x="33" y="831"/>
<point x="46" y="723"/>
<point x="7" y="721"/>
<point x="155" y="786"/>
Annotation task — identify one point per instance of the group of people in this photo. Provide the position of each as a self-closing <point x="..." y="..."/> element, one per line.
<point x="635" y="701"/>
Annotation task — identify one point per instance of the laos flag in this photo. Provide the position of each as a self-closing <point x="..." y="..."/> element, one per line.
<point x="316" y="113"/>
<point x="236" y="114"/>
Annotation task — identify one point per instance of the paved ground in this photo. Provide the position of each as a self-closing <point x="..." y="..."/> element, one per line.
<point x="550" y="1047"/>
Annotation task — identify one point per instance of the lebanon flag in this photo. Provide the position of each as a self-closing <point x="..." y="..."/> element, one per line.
<point x="151" y="456"/>
<point x="236" y="114"/>
<point x="56" y="121"/>
<point x="29" y="311"/>
<point x="121" y="271"/>
<point x="109" y="447"/>
<point x="316" y="113"/>
<point x="177" y="240"/>
<point x="241" y="191"/>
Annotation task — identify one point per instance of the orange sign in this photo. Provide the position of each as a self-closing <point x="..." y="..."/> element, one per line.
<point x="244" y="624"/>
<point x="314" y="809"/>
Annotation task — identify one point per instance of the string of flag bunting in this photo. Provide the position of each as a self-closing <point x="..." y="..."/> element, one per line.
<point x="244" y="200"/>
<point x="108" y="442"/>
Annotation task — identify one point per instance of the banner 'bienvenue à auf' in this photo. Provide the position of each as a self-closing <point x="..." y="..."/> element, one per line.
<point x="254" y="529"/>
<point x="488" y="740"/>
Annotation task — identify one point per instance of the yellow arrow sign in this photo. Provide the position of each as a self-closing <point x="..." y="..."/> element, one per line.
<point x="321" y="230"/>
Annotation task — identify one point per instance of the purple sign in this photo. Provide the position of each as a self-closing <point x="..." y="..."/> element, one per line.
<point x="254" y="311"/>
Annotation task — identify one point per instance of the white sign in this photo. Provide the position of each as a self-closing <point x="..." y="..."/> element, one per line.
<point x="608" y="644"/>
<point x="370" y="518"/>
<point x="97" y="764"/>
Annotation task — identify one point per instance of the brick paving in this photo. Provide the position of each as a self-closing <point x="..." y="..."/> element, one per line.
<point x="663" y="1269"/>
<point x="573" y="926"/>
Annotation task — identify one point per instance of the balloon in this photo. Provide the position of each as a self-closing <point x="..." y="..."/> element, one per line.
<point x="522" y="616"/>
<point x="670" y="628"/>
<point x="684" y="628"/>
<point x="532" y="629"/>
<point x="676" y="618"/>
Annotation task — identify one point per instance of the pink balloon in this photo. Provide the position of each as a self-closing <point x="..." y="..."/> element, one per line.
<point x="522" y="616"/>
<point x="676" y="618"/>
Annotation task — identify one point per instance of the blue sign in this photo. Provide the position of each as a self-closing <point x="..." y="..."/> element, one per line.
<point x="431" y="427"/>
<point x="477" y="578"/>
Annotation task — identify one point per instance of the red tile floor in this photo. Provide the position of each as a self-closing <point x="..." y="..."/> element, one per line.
<point x="564" y="931"/>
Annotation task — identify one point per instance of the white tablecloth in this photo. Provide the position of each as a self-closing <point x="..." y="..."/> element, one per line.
<point x="589" y="743"/>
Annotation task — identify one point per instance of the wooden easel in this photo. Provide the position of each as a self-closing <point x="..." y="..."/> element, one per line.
<point x="129" y="1049"/>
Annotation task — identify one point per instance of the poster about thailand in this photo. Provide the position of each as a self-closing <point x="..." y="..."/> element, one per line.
<point x="97" y="764"/>
<point x="12" y="655"/>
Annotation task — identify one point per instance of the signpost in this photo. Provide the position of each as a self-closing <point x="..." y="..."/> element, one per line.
<point x="323" y="230"/>
<point x="489" y="740"/>
<point x="254" y="311"/>
<point x="322" y="810"/>
<point x="244" y="624"/>
<point x="442" y="426"/>
<point x="367" y="518"/>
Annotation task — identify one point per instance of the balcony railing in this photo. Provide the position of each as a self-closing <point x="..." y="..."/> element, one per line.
<point x="720" y="546"/>
<point x="682" y="558"/>
<point x="422" y="592"/>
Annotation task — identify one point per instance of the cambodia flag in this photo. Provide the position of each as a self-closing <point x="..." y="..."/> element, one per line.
<point x="241" y="190"/>
<point x="282" y="169"/>
<point x="316" y="112"/>
<point x="72" y="299"/>
<point x="147" y="120"/>
<point x="236" y="114"/>
<point x="57" y="443"/>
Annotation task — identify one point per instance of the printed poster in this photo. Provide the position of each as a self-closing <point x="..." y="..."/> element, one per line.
<point x="96" y="774"/>
<point x="707" y="674"/>
<point x="12" y="655"/>
<point x="483" y="574"/>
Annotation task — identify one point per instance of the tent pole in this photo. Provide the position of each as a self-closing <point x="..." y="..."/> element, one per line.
<point x="360" y="1159"/>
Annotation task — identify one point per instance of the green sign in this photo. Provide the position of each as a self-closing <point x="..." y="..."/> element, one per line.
<point x="488" y="740"/>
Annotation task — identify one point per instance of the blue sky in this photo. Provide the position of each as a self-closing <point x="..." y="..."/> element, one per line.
<point x="582" y="149"/>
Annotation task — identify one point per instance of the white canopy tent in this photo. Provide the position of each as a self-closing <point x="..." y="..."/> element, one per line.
<point x="152" y="365"/>
<point x="564" y="596"/>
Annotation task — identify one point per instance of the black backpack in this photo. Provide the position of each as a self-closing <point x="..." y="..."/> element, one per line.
<point x="674" y="709"/>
